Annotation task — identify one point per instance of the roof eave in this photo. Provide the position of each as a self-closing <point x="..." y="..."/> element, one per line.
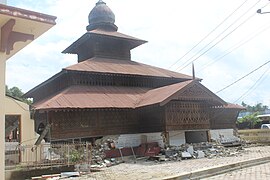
<point x="36" y="88"/>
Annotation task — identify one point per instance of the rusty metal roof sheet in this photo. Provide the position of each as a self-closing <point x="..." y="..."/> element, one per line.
<point x="104" y="65"/>
<point x="159" y="95"/>
<point x="92" y="97"/>
<point x="234" y="106"/>
<point x="133" y="42"/>
<point x="114" y="96"/>
<point x="165" y="94"/>
<point x="114" y="34"/>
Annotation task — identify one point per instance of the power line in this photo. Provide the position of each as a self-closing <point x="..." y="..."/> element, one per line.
<point x="242" y="77"/>
<point x="219" y="36"/>
<point x="253" y="86"/>
<point x="211" y="47"/>
<point x="208" y="34"/>
<point x="233" y="48"/>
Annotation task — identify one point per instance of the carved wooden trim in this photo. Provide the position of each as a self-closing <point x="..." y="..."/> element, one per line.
<point x="9" y="37"/>
<point x="195" y="92"/>
<point x="187" y="115"/>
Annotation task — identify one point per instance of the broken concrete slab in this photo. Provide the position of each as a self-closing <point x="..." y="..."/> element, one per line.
<point x="190" y="150"/>
<point x="200" y="154"/>
<point x="186" y="155"/>
<point x="70" y="174"/>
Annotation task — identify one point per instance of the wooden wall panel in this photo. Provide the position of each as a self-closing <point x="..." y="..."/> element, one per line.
<point x="187" y="115"/>
<point x="222" y="118"/>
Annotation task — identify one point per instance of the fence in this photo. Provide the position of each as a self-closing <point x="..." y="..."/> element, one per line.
<point x="255" y="135"/>
<point x="28" y="156"/>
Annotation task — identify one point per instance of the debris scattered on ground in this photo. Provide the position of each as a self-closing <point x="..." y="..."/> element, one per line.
<point x="201" y="150"/>
<point x="63" y="175"/>
<point x="98" y="152"/>
<point x="171" y="153"/>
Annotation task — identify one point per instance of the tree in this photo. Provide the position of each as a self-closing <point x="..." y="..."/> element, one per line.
<point x="259" y="107"/>
<point x="251" y="120"/>
<point x="17" y="93"/>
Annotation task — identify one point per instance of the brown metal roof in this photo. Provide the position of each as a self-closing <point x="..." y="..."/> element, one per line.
<point x="92" y="97"/>
<point x="114" y="34"/>
<point x="159" y="95"/>
<point x="117" y="96"/>
<point x="234" y="106"/>
<point x="176" y="91"/>
<point x="73" y="48"/>
<point x="105" y="65"/>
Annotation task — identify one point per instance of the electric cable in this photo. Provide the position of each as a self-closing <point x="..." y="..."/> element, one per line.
<point x="232" y="48"/>
<point x="208" y="34"/>
<point x="184" y="66"/>
<point x="242" y="77"/>
<point x="253" y="87"/>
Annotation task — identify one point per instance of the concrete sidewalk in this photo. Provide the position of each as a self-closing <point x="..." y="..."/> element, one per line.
<point x="185" y="169"/>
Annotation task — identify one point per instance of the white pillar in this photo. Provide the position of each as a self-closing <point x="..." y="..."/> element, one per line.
<point x="2" y="114"/>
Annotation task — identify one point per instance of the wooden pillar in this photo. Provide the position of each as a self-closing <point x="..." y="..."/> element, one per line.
<point x="166" y="138"/>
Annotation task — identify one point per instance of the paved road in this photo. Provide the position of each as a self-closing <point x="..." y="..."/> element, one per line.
<point x="259" y="172"/>
<point x="151" y="170"/>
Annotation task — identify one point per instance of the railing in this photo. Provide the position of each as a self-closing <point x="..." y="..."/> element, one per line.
<point x="255" y="135"/>
<point x="49" y="155"/>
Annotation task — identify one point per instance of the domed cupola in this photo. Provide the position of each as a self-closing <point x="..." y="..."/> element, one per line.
<point x="102" y="40"/>
<point x="101" y="17"/>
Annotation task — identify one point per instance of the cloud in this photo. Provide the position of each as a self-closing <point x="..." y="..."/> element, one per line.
<point x="172" y="29"/>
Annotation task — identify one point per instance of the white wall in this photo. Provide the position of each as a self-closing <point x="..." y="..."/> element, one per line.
<point x="15" y="107"/>
<point x="177" y="138"/>
<point x="223" y="135"/>
<point x="133" y="140"/>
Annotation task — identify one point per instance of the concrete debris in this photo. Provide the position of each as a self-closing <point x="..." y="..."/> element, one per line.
<point x="200" y="154"/>
<point x="171" y="153"/>
<point x="70" y="174"/>
<point x="186" y="155"/>
<point x="201" y="150"/>
<point x="190" y="150"/>
<point x="63" y="175"/>
<point x="98" y="152"/>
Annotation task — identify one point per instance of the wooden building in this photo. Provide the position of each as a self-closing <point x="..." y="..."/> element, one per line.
<point x="106" y="93"/>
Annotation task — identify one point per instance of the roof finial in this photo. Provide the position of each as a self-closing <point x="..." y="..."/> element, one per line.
<point x="193" y="71"/>
<point x="101" y="17"/>
<point x="100" y="2"/>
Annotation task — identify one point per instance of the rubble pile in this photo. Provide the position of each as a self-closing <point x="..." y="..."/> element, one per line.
<point x="200" y="150"/>
<point x="171" y="153"/>
<point x="98" y="152"/>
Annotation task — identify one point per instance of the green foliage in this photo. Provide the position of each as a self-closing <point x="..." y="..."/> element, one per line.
<point x="17" y="93"/>
<point x="75" y="156"/>
<point x="257" y="108"/>
<point x="251" y="120"/>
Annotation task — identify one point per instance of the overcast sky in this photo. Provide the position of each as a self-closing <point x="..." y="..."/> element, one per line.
<point x="172" y="28"/>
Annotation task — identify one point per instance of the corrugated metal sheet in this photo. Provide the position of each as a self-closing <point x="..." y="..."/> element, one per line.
<point x="161" y="94"/>
<point x="133" y="42"/>
<point x="234" y="106"/>
<point x="93" y="97"/>
<point x="104" y="65"/>
<point x="167" y="93"/>
<point x="116" y="96"/>
<point x="114" y="34"/>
